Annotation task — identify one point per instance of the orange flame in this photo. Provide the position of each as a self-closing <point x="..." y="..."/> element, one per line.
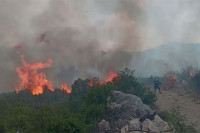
<point x="192" y="73"/>
<point x="33" y="81"/>
<point x="171" y="81"/>
<point x="112" y="75"/>
<point x="65" y="89"/>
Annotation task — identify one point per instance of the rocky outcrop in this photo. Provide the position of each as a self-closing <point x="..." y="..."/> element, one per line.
<point x="134" y="125"/>
<point x="127" y="106"/>
<point x="103" y="126"/>
<point x="128" y="114"/>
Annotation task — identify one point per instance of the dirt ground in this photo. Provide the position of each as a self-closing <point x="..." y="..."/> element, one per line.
<point x="189" y="103"/>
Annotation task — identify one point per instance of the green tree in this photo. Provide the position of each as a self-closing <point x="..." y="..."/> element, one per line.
<point x="128" y="83"/>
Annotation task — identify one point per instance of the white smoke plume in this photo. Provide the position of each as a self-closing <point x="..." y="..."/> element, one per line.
<point x="88" y="37"/>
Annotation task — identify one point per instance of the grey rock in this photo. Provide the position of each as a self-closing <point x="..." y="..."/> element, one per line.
<point x="117" y="125"/>
<point x="127" y="106"/>
<point x="128" y="114"/>
<point x="104" y="126"/>
<point x="162" y="124"/>
<point x="150" y="126"/>
<point x="124" y="129"/>
<point x="134" y="125"/>
<point x="135" y="132"/>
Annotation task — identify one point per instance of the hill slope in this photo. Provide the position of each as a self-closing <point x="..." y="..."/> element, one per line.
<point x="169" y="57"/>
<point x="188" y="104"/>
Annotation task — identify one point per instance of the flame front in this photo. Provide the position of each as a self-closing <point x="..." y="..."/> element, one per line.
<point x="65" y="89"/>
<point x="36" y="82"/>
<point x="112" y="75"/>
<point x="33" y="81"/>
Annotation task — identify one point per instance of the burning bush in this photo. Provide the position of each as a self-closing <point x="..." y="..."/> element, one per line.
<point x="171" y="81"/>
<point x="111" y="78"/>
<point x="33" y="81"/>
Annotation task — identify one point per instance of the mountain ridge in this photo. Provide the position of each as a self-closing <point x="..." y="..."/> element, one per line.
<point x="168" y="57"/>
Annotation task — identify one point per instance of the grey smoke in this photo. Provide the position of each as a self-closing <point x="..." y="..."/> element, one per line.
<point x="89" y="37"/>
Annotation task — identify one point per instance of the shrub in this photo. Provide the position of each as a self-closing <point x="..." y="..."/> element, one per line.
<point x="178" y="121"/>
<point x="129" y="84"/>
<point x="78" y="112"/>
<point x="65" y="126"/>
<point x="195" y="81"/>
<point x="96" y="102"/>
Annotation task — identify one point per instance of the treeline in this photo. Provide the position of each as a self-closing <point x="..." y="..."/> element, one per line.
<point x="58" y="112"/>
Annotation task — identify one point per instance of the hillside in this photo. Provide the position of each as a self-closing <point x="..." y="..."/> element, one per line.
<point x="188" y="104"/>
<point x="168" y="57"/>
<point x="121" y="105"/>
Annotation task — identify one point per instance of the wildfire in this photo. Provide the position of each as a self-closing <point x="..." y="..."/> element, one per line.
<point x="33" y="81"/>
<point x="36" y="82"/>
<point x="192" y="73"/>
<point x="112" y="75"/>
<point x="171" y="81"/>
<point x="65" y="89"/>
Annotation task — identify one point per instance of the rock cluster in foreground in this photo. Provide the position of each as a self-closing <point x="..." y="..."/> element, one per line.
<point x="128" y="114"/>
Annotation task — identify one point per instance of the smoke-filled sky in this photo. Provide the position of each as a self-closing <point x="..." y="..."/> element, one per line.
<point x="89" y="37"/>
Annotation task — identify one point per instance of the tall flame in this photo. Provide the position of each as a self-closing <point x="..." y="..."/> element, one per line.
<point x="33" y="81"/>
<point x="65" y="88"/>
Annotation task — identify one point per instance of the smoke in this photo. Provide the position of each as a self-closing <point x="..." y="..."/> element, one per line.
<point x="88" y="37"/>
<point x="174" y="21"/>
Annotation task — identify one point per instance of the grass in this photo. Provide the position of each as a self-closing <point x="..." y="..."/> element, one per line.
<point x="178" y="122"/>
